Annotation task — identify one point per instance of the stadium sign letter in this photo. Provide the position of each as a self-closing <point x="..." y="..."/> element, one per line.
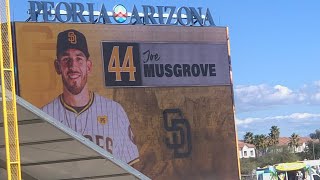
<point x="67" y="7"/>
<point x="148" y="15"/>
<point x="196" y="15"/>
<point x="46" y="12"/>
<point x="160" y="12"/>
<point x="135" y="15"/>
<point x="35" y="8"/>
<point x="104" y="15"/>
<point x="188" y="14"/>
<point x="77" y="12"/>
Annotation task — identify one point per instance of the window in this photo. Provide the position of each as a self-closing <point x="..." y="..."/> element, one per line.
<point x="245" y="153"/>
<point x="316" y="177"/>
<point x="251" y="153"/>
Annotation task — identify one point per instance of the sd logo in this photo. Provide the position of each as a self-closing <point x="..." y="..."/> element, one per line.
<point x="72" y="38"/>
<point x="181" y="133"/>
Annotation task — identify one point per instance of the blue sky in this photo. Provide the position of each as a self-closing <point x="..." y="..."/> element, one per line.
<point x="275" y="49"/>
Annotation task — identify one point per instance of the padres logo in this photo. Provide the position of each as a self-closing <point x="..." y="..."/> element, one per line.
<point x="120" y="13"/>
<point x="103" y="120"/>
<point x="72" y="38"/>
<point x="179" y="127"/>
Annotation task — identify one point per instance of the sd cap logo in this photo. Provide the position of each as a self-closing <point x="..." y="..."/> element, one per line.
<point x="72" y="38"/>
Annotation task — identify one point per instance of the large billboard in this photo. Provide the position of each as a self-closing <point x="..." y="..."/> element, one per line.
<point x="157" y="97"/>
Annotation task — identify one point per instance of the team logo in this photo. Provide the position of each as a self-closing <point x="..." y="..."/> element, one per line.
<point x="120" y="13"/>
<point x="72" y="38"/>
<point x="103" y="120"/>
<point x="179" y="128"/>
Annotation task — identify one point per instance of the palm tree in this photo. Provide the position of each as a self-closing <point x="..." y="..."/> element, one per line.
<point x="274" y="135"/>
<point x="261" y="143"/>
<point x="248" y="137"/>
<point x="294" y="141"/>
<point x="273" y="138"/>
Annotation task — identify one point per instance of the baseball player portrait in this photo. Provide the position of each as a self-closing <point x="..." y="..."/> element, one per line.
<point x="101" y="120"/>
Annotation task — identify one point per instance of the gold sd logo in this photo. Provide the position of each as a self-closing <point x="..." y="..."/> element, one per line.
<point x="72" y="38"/>
<point x="103" y="120"/>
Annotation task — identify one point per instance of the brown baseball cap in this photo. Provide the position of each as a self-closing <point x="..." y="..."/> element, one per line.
<point x="72" y="39"/>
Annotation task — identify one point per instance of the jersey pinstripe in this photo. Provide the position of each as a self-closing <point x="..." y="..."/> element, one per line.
<point x="103" y="121"/>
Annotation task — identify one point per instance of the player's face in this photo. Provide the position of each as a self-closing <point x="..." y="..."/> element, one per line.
<point x="74" y="68"/>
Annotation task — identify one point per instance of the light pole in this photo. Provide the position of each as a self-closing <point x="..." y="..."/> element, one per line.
<point x="313" y="150"/>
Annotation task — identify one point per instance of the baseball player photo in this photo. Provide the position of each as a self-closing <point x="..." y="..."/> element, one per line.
<point x="101" y="120"/>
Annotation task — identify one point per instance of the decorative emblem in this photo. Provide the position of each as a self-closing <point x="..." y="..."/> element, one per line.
<point x="103" y="120"/>
<point x="120" y="13"/>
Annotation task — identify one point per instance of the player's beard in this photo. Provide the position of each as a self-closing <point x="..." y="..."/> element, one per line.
<point x="73" y="86"/>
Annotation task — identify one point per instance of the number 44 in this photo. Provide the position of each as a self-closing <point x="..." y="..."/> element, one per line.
<point x="127" y="65"/>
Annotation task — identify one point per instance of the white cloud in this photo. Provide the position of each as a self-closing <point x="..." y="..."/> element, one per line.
<point x="251" y="98"/>
<point x="317" y="83"/>
<point x="316" y="97"/>
<point x="291" y="117"/>
<point x="254" y="97"/>
<point x="246" y="121"/>
<point x="294" y="116"/>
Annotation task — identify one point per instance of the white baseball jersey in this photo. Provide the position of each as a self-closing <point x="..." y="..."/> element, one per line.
<point x="103" y="121"/>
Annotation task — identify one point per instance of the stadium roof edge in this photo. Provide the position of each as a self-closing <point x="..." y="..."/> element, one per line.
<point x="72" y="153"/>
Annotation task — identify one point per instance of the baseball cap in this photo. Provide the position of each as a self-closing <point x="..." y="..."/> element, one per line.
<point x="72" y="39"/>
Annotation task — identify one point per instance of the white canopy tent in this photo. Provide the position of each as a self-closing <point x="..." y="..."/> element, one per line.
<point x="50" y="150"/>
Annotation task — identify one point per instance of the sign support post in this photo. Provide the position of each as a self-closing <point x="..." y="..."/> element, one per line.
<point x="9" y="95"/>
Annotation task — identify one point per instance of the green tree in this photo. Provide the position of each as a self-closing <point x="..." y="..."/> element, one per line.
<point x="281" y="157"/>
<point x="261" y="143"/>
<point x="315" y="135"/>
<point x="312" y="152"/>
<point x="274" y="135"/>
<point x="247" y="165"/>
<point x="248" y="137"/>
<point x="294" y="141"/>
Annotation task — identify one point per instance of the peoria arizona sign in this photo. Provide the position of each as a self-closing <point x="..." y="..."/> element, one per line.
<point x="85" y="13"/>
